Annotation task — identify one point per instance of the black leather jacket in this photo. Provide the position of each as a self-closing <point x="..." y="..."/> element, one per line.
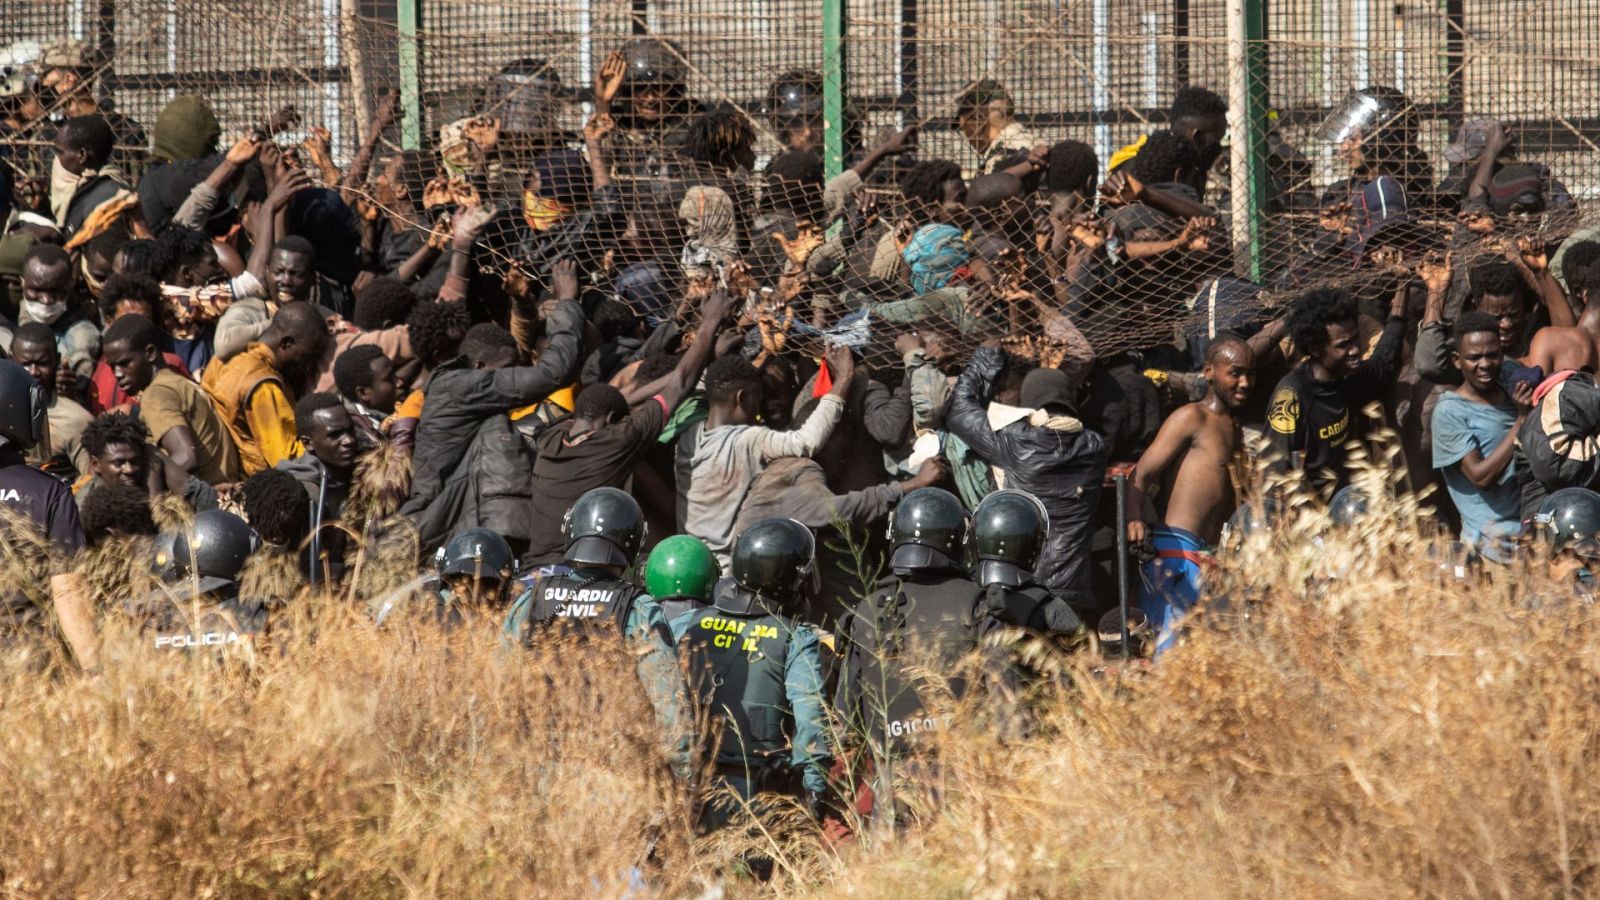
<point x="1064" y="469"/>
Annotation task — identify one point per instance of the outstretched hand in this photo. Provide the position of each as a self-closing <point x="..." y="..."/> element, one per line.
<point x="841" y="363"/>
<point x="1121" y="189"/>
<point x="805" y="242"/>
<point x="564" y="279"/>
<point x="469" y="223"/>
<point x="1435" y="274"/>
<point x="243" y="150"/>
<point x="608" y="80"/>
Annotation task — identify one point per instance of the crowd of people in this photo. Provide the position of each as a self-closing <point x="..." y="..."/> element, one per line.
<point x="620" y="377"/>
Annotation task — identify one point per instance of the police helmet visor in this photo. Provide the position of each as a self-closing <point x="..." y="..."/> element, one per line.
<point x="1361" y="113"/>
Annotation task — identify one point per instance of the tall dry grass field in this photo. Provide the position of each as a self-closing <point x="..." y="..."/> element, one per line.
<point x="1359" y="723"/>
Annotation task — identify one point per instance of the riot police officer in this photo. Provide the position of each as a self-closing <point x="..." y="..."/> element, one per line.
<point x="46" y="502"/>
<point x="200" y="605"/>
<point x="928" y="615"/>
<point x="680" y="575"/>
<point x="655" y="94"/>
<point x="589" y="598"/>
<point x="1569" y="522"/>
<point x="475" y="569"/>
<point x="759" y="671"/>
<point x="1008" y="534"/>
<point x="794" y="105"/>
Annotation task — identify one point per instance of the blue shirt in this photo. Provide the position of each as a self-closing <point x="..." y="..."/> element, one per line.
<point x="1459" y="427"/>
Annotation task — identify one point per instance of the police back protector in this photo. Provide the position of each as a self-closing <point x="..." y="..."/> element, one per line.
<point x="906" y="628"/>
<point x="736" y="653"/>
<point x="577" y="605"/>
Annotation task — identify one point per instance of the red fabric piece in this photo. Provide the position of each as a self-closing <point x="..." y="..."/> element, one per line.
<point x="104" y="393"/>
<point x="824" y="380"/>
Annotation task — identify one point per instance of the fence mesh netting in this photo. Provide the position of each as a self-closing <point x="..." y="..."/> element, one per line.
<point x="720" y="125"/>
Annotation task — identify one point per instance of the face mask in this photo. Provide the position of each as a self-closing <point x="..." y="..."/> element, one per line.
<point x="542" y="213"/>
<point x="44" y="312"/>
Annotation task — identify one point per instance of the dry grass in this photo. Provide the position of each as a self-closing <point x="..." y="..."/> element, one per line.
<point x="1361" y="726"/>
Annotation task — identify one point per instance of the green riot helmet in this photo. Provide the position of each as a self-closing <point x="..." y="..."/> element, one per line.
<point x="604" y="528"/>
<point x="1569" y="520"/>
<point x="681" y="566"/>
<point x="774" y="559"/>
<point x="477" y="552"/>
<point x="214" y="549"/>
<point x="1008" y="534"/>
<point x="928" y="529"/>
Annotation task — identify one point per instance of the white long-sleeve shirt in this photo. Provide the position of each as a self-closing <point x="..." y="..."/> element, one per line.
<point x="726" y="461"/>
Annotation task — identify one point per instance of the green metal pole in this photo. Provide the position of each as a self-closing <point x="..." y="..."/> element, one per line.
<point x="1258" y="96"/>
<point x="833" y="86"/>
<point x="409" y="17"/>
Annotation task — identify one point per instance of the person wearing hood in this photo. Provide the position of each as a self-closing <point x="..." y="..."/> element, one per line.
<point x="82" y="178"/>
<point x="570" y="207"/>
<point x="1040" y="447"/>
<point x="710" y="224"/>
<point x="185" y="140"/>
<point x="325" y="470"/>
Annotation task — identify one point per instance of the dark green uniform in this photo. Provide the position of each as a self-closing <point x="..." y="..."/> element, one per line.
<point x="760" y="674"/>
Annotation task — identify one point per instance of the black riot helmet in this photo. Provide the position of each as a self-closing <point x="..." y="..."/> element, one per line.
<point x="24" y="410"/>
<point x="796" y="100"/>
<point x="795" y="97"/>
<point x="1569" y="519"/>
<point x="214" y="549"/>
<point x="526" y="94"/>
<point x="653" y="61"/>
<point x="929" y="530"/>
<point x="773" y="559"/>
<point x="604" y="528"/>
<point x="1348" y="506"/>
<point x="1008" y="534"/>
<point x="477" y="552"/>
<point x="654" y="64"/>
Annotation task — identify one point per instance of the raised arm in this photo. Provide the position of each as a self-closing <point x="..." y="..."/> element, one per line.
<point x="464" y="231"/>
<point x="968" y="417"/>
<point x="263" y="227"/>
<point x="1532" y="260"/>
<point x="818" y="427"/>
<point x="382" y="118"/>
<point x="672" y="386"/>
<point x="203" y="198"/>
<point x="901" y="142"/>
<point x="594" y="138"/>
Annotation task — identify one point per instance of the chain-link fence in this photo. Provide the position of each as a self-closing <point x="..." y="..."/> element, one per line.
<point x="1311" y="209"/>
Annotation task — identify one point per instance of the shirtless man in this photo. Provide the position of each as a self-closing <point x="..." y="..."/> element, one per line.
<point x="1556" y="349"/>
<point x="1200" y="446"/>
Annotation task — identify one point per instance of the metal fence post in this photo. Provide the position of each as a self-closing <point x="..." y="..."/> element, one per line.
<point x="408" y="16"/>
<point x="833" y="86"/>
<point x="1247" y="123"/>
